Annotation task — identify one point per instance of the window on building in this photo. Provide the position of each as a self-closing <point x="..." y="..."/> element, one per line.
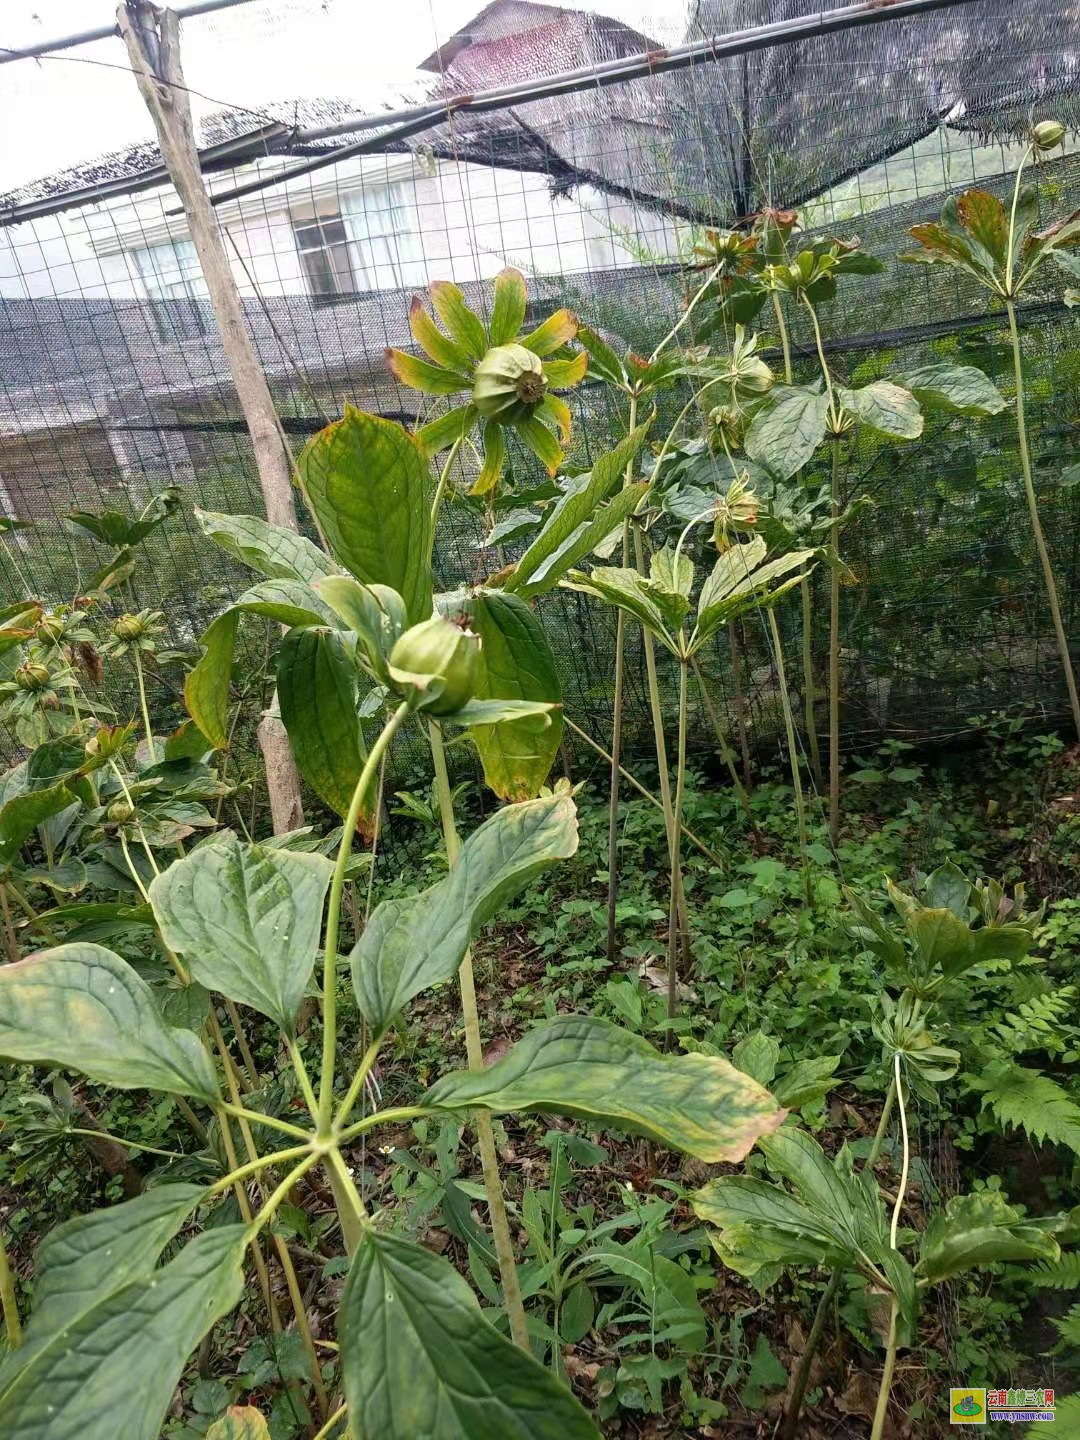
<point x="385" y="232"/>
<point x="325" y="253"/>
<point x="174" y="283"/>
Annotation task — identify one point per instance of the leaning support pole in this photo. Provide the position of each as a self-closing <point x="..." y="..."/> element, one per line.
<point x="152" y="37"/>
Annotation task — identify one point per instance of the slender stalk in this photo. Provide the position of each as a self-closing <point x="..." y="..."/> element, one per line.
<point x="741" y="728"/>
<point x="834" y="651"/>
<point x="367" y="1060"/>
<point x="613" y="785"/>
<point x="242" y="1041"/>
<point x="687" y="312"/>
<point x="197" y="1126"/>
<point x="440" y="491"/>
<point x="137" y="657"/>
<point x="11" y="944"/>
<point x="793" y="754"/>
<point x="489" y="1161"/>
<point x="396" y="1115"/>
<point x="332" y="1420"/>
<point x="279" y="1194"/>
<point x="245" y="1212"/>
<point x="256" y="1117"/>
<point x="809" y="689"/>
<point x="785" y="343"/>
<point x="882" y="1409"/>
<point x="657" y="713"/>
<point x="789" y="1429"/>
<point x="303" y="1078"/>
<point x="111" y="1139"/>
<point x="636" y="784"/>
<point x="616" y="729"/>
<point x="906" y="1164"/>
<point x="677" y="891"/>
<point x="242" y="1172"/>
<point x="333" y="915"/>
<point x="1036" y="523"/>
<point x="31" y="914"/>
<point x="726" y="753"/>
<point x="9" y="1305"/>
<point x="883" y="1125"/>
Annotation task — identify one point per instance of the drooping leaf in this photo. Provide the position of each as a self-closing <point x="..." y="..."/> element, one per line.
<point x="515" y="664"/>
<point x="83" y="1007"/>
<point x="508" y="307"/>
<point x="785" y="432"/>
<point x="367" y="480"/>
<point x="985" y="223"/>
<point x="419" y="1359"/>
<point x="604" y="363"/>
<point x="86" y="1258"/>
<point x="113" y="1371"/>
<point x="742" y="579"/>
<point x="575" y="1065"/>
<point x="319" y="696"/>
<point x="885" y="408"/>
<point x="206" y="686"/>
<point x="580" y="500"/>
<point x="275" y="552"/>
<point x="246" y="920"/>
<point x="22" y="814"/>
<point x="958" y="389"/>
<point x="413" y="943"/>
<point x="976" y="1230"/>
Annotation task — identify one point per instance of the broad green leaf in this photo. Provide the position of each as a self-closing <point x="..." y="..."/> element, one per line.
<point x="86" y="1258"/>
<point x="976" y="1230"/>
<point x="587" y="537"/>
<point x="22" y="814"/>
<point x="112" y="1372"/>
<point x="574" y="1065"/>
<point x="604" y="363"/>
<point x="784" y="1228"/>
<point x="83" y="1007"/>
<point x="465" y="327"/>
<point x="367" y="481"/>
<point x="514" y="525"/>
<point x="579" y="502"/>
<point x="946" y="943"/>
<point x="959" y="389"/>
<point x="419" y="1359"/>
<point x="419" y="941"/>
<point x="483" y="713"/>
<point x="277" y="553"/>
<point x="626" y="589"/>
<point x="757" y="1057"/>
<point x="246" y="920"/>
<point x="319" y="698"/>
<point x="508" y="306"/>
<point x="985" y="224"/>
<point x="948" y="888"/>
<point x="738" y="583"/>
<point x="787" y="430"/>
<point x="240" y="1422"/>
<point x="515" y="664"/>
<point x="441" y="433"/>
<point x="885" y="408"/>
<point x="540" y="440"/>
<point x="806" y="1082"/>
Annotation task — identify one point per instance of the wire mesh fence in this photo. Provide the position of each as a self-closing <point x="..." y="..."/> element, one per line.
<point x="114" y="384"/>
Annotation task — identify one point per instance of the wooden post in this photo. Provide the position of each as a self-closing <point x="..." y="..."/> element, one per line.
<point x="152" y="37"/>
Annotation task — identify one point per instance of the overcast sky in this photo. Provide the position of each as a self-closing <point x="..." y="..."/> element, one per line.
<point x="73" y="107"/>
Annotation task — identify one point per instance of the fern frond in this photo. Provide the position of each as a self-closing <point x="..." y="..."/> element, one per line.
<point x="1031" y="1101"/>
<point x="1069" y="1325"/>
<point x="1060" y="1274"/>
<point x="1039" y="1022"/>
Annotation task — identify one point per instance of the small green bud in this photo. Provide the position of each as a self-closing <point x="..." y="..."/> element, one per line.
<point x="119" y="812"/>
<point x="128" y="627"/>
<point x="1047" y="134"/>
<point x="32" y="676"/>
<point x="509" y="384"/>
<point x="434" y="665"/>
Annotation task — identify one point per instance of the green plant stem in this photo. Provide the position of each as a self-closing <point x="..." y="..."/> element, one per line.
<point x="280" y="1193"/>
<point x="809" y="689"/>
<point x="332" y="1420"/>
<point x="793" y="754"/>
<point x="31" y="914"/>
<point x="883" y="1125"/>
<point x="675" y="912"/>
<point x="657" y="714"/>
<point x="242" y="1041"/>
<point x="245" y="1213"/>
<point x="1036" y="523"/>
<point x="333" y="915"/>
<point x="197" y="1126"/>
<point x="126" y="1144"/>
<point x="11" y="944"/>
<point x="367" y="1060"/>
<point x="789" y="1429"/>
<point x="785" y="343"/>
<point x="616" y="729"/>
<point x="726" y="753"/>
<point x="740" y="704"/>
<point x="1012" y="224"/>
<point x="137" y="657"/>
<point x="9" y="1305"/>
<point x="350" y="1207"/>
<point x="256" y="1117"/>
<point x="882" y="1409"/>
<point x="303" y="1078"/>
<point x="489" y="1160"/>
<point x="687" y="312"/>
<point x="645" y="793"/>
<point x="396" y="1115"/>
<point x="834" y="651"/>
<point x="253" y="1167"/>
<point x="440" y="492"/>
<point x="906" y="1164"/>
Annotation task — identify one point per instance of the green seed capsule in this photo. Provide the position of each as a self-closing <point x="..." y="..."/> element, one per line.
<point x="1047" y="134"/>
<point x="435" y="664"/>
<point x="32" y="676"/>
<point x="509" y="384"/>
